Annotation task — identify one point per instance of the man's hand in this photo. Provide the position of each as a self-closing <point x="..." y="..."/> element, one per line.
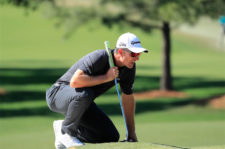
<point x="112" y="73"/>
<point x="132" y="138"/>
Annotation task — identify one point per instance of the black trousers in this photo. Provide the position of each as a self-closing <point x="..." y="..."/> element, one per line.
<point x="83" y="118"/>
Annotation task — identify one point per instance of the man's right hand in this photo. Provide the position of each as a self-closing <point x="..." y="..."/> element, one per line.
<point x="112" y="73"/>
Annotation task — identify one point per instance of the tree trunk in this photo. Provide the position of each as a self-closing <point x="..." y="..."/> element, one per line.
<point x="166" y="78"/>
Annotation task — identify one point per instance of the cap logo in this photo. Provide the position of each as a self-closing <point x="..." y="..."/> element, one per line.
<point x="135" y="42"/>
<point x="122" y="44"/>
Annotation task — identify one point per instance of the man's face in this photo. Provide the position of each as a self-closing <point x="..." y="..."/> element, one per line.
<point x="128" y="59"/>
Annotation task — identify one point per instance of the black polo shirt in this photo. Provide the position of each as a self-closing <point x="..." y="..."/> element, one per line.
<point x="97" y="63"/>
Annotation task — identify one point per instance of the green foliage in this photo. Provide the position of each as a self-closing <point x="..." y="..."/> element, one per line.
<point x="142" y="13"/>
<point x="214" y="9"/>
<point x="33" y="57"/>
<point x="70" y="17"/>
<point x="30" y="4"/>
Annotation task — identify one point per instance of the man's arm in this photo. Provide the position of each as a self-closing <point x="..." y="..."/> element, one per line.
<point x="80" y="79"/>
<point x="129" y="111"/>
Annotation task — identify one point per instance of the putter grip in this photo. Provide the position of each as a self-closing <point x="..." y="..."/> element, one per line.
<point x="107" y="48"/>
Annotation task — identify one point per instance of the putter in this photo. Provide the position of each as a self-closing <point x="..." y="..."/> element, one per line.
<point x="107" y="48"/>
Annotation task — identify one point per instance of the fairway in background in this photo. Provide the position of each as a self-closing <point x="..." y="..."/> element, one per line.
<point x="33" y="55"/>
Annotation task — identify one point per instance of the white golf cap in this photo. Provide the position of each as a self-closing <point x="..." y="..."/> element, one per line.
<point x="131" y="42"/>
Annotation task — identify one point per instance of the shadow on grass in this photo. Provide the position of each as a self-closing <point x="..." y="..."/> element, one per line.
<point x="24" y="76"/>
<point x="19" y="96"/>
<point x="36" y="77"/>
<point x="25" y="112"/>
<point x="111" y="109"/>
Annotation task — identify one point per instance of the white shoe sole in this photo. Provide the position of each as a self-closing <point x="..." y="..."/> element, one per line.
<point x="70" y="141"/>
<point x="57" y="130"/>
<point x="64" y="141"/>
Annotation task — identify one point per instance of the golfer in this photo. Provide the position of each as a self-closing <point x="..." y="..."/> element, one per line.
<point x="74" y="93"/>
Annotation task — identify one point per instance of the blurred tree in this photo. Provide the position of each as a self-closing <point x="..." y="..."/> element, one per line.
<point x="160" y="14"/>
<point x="144" y="14"/>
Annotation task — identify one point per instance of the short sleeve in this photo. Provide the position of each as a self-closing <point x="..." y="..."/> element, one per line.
<point x="95" y="63"/>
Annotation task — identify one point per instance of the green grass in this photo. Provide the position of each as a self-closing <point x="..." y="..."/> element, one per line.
<point x="129" y="146"/>
<point x="27" y="132"/>
<point x="33" y="55"/>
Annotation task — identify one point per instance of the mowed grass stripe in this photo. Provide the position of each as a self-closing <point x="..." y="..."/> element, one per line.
<point x="197" y="70"/>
